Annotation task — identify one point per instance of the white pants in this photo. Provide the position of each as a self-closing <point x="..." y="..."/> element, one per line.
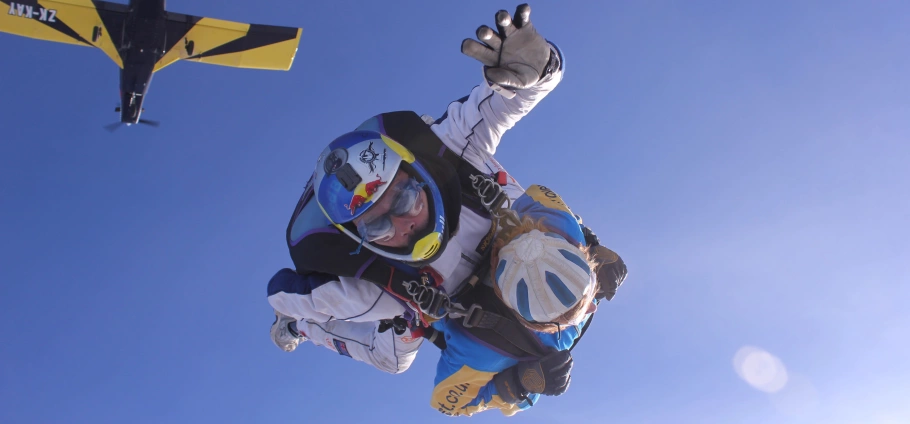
<point x="362" y="341"/>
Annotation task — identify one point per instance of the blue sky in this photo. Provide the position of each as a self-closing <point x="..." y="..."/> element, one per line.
<point x="748" y="161"/>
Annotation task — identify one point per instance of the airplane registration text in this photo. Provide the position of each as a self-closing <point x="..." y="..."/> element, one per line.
<point x="30" y="12"/>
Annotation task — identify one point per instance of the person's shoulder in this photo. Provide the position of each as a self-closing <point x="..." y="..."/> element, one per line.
<point x="546" y="197"/>
<point x="540" y="201"/>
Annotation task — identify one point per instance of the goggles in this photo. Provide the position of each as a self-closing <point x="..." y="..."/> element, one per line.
<point x="406" y="202"/>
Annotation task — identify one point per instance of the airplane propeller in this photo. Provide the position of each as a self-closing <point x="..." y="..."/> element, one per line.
<point x="115" y="125"/>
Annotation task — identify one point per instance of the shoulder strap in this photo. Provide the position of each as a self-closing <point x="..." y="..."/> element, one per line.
<point x="410" y="130"/>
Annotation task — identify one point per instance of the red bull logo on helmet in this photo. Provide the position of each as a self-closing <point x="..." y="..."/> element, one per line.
<point x="363" y="193"/>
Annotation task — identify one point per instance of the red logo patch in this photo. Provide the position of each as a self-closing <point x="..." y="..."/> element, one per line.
<point x="363" y="193"/>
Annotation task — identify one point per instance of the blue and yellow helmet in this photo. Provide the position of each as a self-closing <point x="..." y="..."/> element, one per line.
<point x="354" y="171"/>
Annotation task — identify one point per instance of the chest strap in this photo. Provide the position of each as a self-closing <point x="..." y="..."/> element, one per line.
<point x="489" y="320"/>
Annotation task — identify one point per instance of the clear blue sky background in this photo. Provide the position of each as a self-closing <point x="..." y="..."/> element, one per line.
<point x="748" y="161"/>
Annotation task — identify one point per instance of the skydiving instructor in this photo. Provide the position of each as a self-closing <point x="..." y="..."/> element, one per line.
<point x="392" y="201"/>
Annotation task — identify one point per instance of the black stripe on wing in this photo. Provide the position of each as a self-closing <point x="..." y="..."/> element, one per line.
<point x="113" y="16"/>
<point x="258" y="36"/>
<point x="58" y="24"/>
<point x="178" y="25"/>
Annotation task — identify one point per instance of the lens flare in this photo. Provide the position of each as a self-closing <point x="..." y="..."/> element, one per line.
<point x="760" y="369"/>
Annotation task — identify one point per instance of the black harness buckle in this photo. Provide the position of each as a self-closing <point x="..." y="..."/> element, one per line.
<point x="473" y="316"/>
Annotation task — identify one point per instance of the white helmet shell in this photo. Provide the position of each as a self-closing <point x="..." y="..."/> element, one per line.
<point x="542" y="276"/>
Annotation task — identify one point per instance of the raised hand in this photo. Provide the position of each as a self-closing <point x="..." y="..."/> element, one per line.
<point x="514" y="57"/>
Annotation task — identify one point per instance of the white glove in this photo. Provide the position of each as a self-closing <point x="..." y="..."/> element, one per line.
<point x="514" y="58"/>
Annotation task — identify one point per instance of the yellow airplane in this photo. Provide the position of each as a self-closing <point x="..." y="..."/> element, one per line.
<point x="142" y="38"/>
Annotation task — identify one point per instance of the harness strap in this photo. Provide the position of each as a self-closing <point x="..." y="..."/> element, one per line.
<point x="423" y="295"/>
<point x="507" y="329"/>
<point x="413" y="132"/>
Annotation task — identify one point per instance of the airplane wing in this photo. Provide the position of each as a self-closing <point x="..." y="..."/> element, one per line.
<point x="80" y="22"/>
<point x="227" y="43"/>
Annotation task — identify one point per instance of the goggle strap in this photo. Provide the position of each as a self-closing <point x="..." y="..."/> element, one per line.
<point x="359" y="246"/>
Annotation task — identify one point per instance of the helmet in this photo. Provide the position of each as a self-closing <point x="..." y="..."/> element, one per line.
<point x="352" y="174"/>
<point x="542" y="276"/>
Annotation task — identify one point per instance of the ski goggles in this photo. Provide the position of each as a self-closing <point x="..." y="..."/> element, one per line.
<point x="406" y="202"/>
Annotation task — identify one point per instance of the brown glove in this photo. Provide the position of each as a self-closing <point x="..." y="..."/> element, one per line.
<point x="611" y="271"/>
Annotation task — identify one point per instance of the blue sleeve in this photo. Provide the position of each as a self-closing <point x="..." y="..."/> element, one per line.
<point x="463" y="384"/>
<point x="541" y="202"/>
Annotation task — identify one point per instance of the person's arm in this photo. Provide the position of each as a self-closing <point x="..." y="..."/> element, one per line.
<point x="471" y="378"/>
<point x="322" y="297"/>
<point x="467" y="391"/>
<point x="517" y="58"/>
<point x="467" y="394"/>
<point x="367" y="342"/>
<point x="461" y="390"/>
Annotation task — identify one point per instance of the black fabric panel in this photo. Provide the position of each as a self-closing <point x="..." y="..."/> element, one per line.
<point x="407" y="128"/>
<point x="330" y="253"/>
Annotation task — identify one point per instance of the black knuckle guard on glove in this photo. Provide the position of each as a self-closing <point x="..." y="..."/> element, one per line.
<point x="611" y="272"/>
<point x="590" y="238"/>
<point x="548" y="376"/>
